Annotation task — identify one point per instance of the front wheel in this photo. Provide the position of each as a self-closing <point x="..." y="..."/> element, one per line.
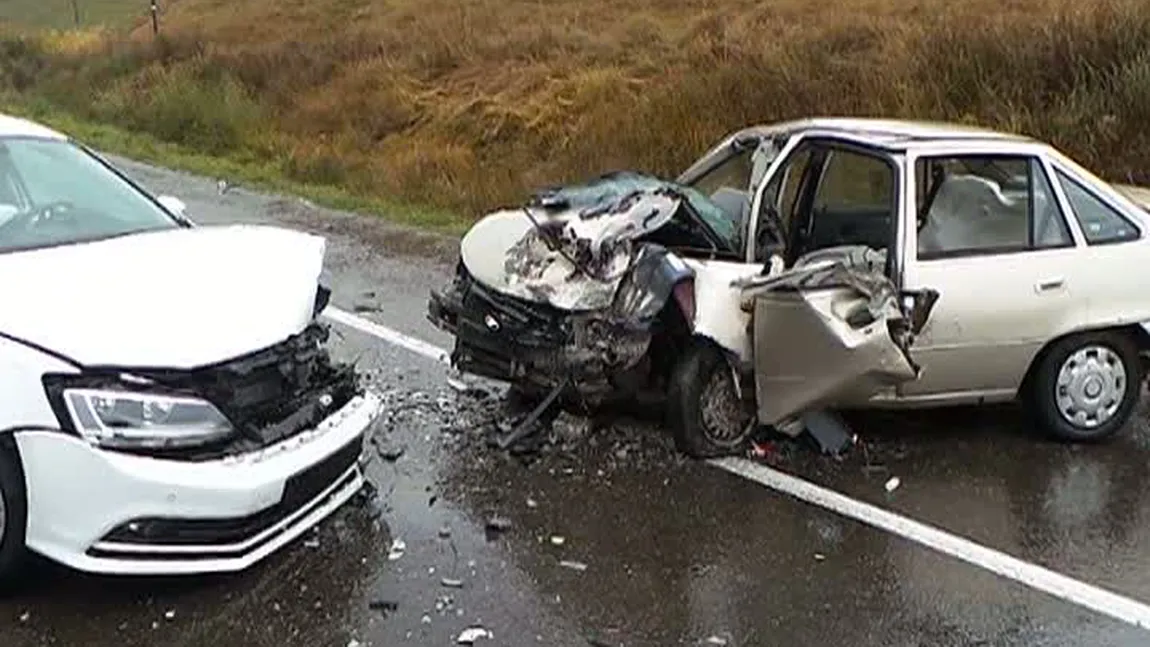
<point x="13" y="517"/>
<point x="1085" y="387"/>
<point x="705" y="413"/>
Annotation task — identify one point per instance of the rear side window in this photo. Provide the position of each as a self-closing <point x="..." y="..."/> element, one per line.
<point x="1100" y="223"/>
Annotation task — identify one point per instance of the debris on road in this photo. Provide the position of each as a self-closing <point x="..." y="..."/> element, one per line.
<point x="444" y="532"/>
<point x="497" y="525"/>
<point x="452" y="583"/>
<point x="829" y="430"/>
<point x="893" y="484"/>
<point x="531" y="503"/>
<point x="390" y="452"/>
<point x="573" y="565"/>
<point x="718" y="640"/>
<point x="398" y="547"/>
<point x="820" y="557"/>
<point x="557" y="540"/>
<point x="384" y="607"/>
<point x="471" y="634"/>
<point x="534" y="421"/>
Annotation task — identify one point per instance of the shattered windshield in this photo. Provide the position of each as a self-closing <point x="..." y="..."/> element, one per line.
<point x="609" y="188"/>
<point x="53" y="192"/>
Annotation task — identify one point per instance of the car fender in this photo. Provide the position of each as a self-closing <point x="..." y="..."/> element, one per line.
<point x="718" y="313"/>
<point x="25" y="404"/>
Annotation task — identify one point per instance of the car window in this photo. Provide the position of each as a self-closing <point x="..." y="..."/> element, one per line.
<point x="731" y="185"/>
<point x="854" y="203"/>
<point x="780" y="199"/>
<point x="853" y="179"/>
<point x="54" y="192"/>
<point x="986" y="204"/>
<point x="1100" y="223"/>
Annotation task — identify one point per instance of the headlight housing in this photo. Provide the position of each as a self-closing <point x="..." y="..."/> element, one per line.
<point x="128" y="420"/>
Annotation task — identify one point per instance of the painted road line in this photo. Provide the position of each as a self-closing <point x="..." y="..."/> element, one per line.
<point x="394" y="337"/>
<point x="1031" y="575"/>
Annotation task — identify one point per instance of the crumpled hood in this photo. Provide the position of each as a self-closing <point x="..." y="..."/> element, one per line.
<point x="569" y="246"/>
<point x="177" y="298"/>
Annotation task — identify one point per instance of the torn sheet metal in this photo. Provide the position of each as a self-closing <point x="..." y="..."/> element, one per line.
<point x="569" y="247"/>
<point x="831" y="327"/>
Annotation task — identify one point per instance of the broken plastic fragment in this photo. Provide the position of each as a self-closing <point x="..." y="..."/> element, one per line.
<point x="557" y="540"/>
<point x="893" y="484"/>
<point x="398" y="547"/>
<point x="471" y="634"/>
<point x="452" y="583"/>
<point x="573" y="565"/>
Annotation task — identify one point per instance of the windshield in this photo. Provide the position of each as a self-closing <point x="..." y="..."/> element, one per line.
<point x="53" y="192"/>
<point x="616" y="185"/>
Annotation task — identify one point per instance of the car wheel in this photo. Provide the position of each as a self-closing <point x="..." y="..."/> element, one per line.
<point x="1086" y="386"/>
<point x="705" y="413"/>
<point x="13" y="517"/>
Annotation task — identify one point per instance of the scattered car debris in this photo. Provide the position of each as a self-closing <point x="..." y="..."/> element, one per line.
<point x="444" y="532"/>
<point x="362" y="307"/>
<point x="398" y="547"/>
<point x="452" y="583"/>
<point x="471" y="634"/>
<point x="170" y="614"/>
<point x="384" y="607"/>
<point x="354" y="643"/>
<point x="497" y="525"/>
<point x="819" y="557"/>
<point x="529" y="423"/>
<point x="532" y="503"/>
<point x="311" y="542"/>
<point x="557" y="540"/>
<point x="426" y="619"/>
<point x="718" y="640"/>
<point x="573" y="565"/>
<point x="892" y="484"/>
<point x="829" y="430"/>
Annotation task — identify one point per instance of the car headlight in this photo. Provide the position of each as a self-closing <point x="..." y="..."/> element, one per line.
<point x="127" y="420"/>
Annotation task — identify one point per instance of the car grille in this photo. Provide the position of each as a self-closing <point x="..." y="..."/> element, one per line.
<point x="269" y="395"/>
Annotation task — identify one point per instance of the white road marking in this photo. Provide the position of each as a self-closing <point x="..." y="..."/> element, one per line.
<point x="1031" y="575"/>
<point x="394" y="337"/>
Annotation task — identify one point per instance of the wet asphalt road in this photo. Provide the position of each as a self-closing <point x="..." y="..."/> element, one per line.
<point x="676" y="552"/>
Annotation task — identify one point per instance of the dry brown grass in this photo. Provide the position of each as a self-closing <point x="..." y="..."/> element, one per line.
<point x="469" y="103"/>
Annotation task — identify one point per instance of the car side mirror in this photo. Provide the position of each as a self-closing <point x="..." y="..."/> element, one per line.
<point x="174" y="206"/>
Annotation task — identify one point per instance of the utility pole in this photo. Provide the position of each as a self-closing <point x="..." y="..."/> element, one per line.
<point x="155" y="17"/>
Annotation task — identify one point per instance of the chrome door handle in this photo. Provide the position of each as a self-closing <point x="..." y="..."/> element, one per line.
<point x="1048" y="285"/>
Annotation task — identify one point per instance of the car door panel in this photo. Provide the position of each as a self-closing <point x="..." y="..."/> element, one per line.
<point x="994" y="313"/>
<point x="808" y="354"/>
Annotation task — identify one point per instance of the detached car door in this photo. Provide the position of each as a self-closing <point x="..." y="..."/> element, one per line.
<point x="992" y="240"/>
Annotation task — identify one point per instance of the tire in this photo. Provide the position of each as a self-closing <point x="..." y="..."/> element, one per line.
<point x="704" y="414"/>
<point x="1108" y="365"/>
<point x="13" y="517"/>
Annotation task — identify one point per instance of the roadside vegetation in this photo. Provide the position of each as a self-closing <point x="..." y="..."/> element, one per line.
<point x="462" y="105"/>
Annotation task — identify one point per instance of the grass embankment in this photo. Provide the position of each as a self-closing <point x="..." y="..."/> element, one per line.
<point x="461" y="105"/>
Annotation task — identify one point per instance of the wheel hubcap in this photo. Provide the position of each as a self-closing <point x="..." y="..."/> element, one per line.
<point x="1091" y="386"/>
<point x="724" y="419"/>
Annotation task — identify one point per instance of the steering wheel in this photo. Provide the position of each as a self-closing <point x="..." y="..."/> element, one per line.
<point x="26" y="220"/>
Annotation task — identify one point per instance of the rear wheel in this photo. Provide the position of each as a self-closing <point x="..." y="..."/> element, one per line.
<point x="705" y="413"/>
<point x="13" y="516"/>
<point x="1085" y="386"/>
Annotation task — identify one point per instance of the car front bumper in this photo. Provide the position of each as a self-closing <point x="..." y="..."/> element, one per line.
<point x="106" y="512"/>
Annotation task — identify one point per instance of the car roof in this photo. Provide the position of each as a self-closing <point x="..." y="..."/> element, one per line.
<point x="16" y="127"/>
<point x="887" y="133"/>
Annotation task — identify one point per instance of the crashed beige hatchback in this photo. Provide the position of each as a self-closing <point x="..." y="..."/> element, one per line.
<point x="818" y="264"/>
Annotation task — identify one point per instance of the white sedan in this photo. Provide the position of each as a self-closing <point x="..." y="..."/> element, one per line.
<point x="169" y="405"/>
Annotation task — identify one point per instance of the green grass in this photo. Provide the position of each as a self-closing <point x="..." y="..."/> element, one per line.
<point x="58" y="14"/>
<point x="252" y="173"/>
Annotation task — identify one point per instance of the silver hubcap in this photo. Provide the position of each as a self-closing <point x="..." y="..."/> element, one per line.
<point x="1091" y="386"/>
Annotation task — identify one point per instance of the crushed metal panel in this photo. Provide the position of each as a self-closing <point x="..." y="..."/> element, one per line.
<point x="807" y="354"/>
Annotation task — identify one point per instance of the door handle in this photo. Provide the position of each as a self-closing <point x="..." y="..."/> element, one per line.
<point x="1049" y="285"/>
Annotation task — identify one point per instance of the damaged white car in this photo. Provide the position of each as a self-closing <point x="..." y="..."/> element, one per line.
<point x="825" y="263"/>
<point x="169" y="402"/>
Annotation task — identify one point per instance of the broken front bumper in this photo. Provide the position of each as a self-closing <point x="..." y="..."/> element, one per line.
<point x="108" y="512"/>
<point x="534" y="344"/>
